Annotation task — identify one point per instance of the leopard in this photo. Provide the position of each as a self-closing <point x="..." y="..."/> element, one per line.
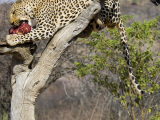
<point x="52" y="15"/>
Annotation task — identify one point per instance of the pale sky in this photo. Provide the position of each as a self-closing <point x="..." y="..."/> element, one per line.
<point x="3" y="1"/>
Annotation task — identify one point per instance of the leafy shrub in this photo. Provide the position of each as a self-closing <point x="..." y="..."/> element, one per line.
<point x="107" y="65"/>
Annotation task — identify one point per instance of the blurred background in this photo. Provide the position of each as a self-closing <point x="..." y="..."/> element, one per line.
<point x="70" y="97"/>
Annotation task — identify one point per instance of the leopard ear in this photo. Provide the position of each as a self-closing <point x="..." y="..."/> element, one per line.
<point x="19" y="1"/>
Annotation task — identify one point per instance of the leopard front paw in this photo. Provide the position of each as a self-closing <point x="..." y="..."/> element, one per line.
<point x="11" y="40"/>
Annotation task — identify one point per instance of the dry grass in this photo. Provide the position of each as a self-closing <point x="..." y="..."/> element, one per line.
<point x="74" y="103"/>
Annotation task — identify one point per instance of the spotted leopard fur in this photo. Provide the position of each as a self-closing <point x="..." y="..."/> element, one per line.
<point x="52" y="15"/>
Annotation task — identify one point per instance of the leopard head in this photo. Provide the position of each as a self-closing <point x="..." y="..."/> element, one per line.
<point x="22" y="11"/>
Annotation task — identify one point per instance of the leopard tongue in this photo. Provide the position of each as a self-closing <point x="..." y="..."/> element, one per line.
<point x="22" y="29"/>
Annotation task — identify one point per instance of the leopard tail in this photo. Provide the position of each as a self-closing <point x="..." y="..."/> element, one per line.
<point x="123" y="37"/>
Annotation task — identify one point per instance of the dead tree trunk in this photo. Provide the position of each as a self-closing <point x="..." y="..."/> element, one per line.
<point x="27" y="83"/>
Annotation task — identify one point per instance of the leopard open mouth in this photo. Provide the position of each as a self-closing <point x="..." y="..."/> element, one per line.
<point x="23" y="28"/>
<point x="26" y="21"/>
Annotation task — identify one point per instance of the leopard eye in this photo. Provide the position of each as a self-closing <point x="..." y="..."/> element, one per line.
<point x="13" y="12"/>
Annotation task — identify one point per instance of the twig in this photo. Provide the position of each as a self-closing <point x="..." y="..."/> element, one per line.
<point x="132" y="109"/>
<point x="95" y="107"/>
<point x="66" y="93"/>
<point x="150" y="101"/>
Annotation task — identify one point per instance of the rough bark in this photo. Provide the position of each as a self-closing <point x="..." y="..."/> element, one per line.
<point x="27" y="83"/>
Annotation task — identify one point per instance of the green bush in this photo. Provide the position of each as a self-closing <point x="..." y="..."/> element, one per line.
<point x="156" y="117"/>
<point x="107" y="65"/>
